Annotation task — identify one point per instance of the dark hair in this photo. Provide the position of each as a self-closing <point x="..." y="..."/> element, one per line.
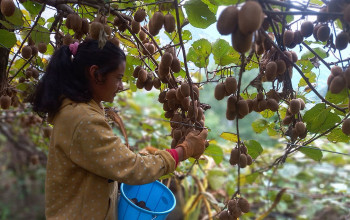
<point x="65" y="77"/>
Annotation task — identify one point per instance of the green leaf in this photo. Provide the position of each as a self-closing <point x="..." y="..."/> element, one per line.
<point x="6" y="24"/>
<point x="16" y="18"/>
<point x="337" y="135"/>
<point x="229" y="136"/>
<point x="321" y="52"/>
<point x="311" y="76"/>
<point x="271" y="131"/>
<point x="317" y="2"/>
<point x="199" y="14"/>
<point x="7" y="39"/>
<point x="212" y="7"/>
<point x="186" y="36"/>
<point x="199" y="53"/>
<point x="339" y="98"/>
<point x="216" y="178"/>
<point x="252" y="177"/>
<point x="40" y="34"/>
<point x="267" y="113"/>
<point x="215" y="152"/>
<point x="319" y="118"/>
<point x="224" y="2"/>
<point x="223" y="53"/>
<point x="314" y="154"/>
<point x="254" y="148"/>
<point x="259" y="125"/>
<point x="32" y="7"/>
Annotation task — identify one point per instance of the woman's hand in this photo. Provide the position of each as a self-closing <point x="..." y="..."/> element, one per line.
<point x="193" y="145"/>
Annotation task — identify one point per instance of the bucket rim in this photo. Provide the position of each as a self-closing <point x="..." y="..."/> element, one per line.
<point x="144" y="210"/>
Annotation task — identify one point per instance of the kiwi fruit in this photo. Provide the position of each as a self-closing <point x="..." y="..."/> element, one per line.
<point x="236" y="212"/>
<point x="117" y="21"/>
<point x="161" y="97"/>
<point x="336" y="70"/>
<point x="28" y="73"/>
<point x="85" y="26"/>
<point x="5" y="102"/>
<point x="243" y="108"/>
<point x="149" y="84"/>
<point x="234" y="157"/>
<point x="230" y="85"/>
<point x="244" y="205"/>
<point x="242" y="161"/>
<point x="135" y="27"/>
<point x="151" y="49"/>
<point x="140" y="15"/>
<point x="152" y="29"/>
<point x="26" y="52"/>
<point x="135" y="74"/>
<point x="42" y="47"/>
<point x="300" y="128"/>
<point x="230" y="115"/>
<point x="67" y="39"/>
<point x="163" y="70"/>
<point x="250" y="17"/>
<point x="142" y="75"/>
<point x="314" y="33"/>
<point x="250" y="105"/>
<point x="115" y="41"/>
<point x="139" y="84"/>
<point x="224" y="215"/>
<point x="231" y="205"/>
<point x="345" y="128"/>
<point x="69" y="21"/>
<point x="171" y="94"/>
<point x="30" y="41"/>
<point x="306" y="28"/>
<point x="271" y="71"/>
<point x="8" y="7"/>
<point x="76" y="23"/>
<point x="35" y="73"/>
<point x="294" y="106"/>
<point x="281" y="67"/>
<point x="249" y="160"/>
<point x="228" y="20"/>
<point x="175" y="65"/>
<point x="169" y="23"/>
<point x="262" y="105"/>
<point x="142" y="35"/>
<point x="200" y="114"/>
<point x="179" y="95"/>
<point x="185" y="89"/>
<point x="196" y="91"/>
<point x="288" y="56"/>
<point x="347" y="77"/>
<point x="95" y="29"/>
<point x="272" y="104"/>
<point x="347" y="14"/>
<point x="294" y="56"/>
<point x="259" y="49"/>
<point x="288" y="38"/>
<point x="240" y="42"/>
<point x="169" y="114"/>
<point x="322" y="17"/>
<point x="219" y="92"/>
<point x="101" y="18"/>
<point x="337" y="84"/>
<point x="158" y="20"/>
<point x="34" y="50"/>
<point x="157" y="83"/>
<point x="323" y="33"/>
<point x="267" y="45"/>
<point x="342" y="40"/>
<point x="297" y="37"/>
<point x="167" y="59"/>
<point x="107" y="29"/>
<point x="185" y="103"/>
<point x="123" y="27"/>
<point x="231" y="103"/>
<point x="302" y="104"/>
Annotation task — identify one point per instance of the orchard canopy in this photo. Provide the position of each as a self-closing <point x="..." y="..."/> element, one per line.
<point x="269" y="79"/>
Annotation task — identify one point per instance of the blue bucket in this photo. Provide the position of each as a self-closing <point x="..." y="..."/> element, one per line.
<point x="157" y="196"/>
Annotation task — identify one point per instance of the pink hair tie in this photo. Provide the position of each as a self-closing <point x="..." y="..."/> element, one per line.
<point x="74" y="48"/>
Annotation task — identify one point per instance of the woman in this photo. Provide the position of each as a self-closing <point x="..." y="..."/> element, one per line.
<point x="85" y="157"/>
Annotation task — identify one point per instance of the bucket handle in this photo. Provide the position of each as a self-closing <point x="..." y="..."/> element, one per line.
<point x="154" y="217"/>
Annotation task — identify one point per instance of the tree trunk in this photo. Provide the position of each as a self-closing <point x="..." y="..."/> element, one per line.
<point x="4" y="56"/>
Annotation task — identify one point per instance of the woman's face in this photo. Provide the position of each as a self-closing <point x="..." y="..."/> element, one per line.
<point x="107" y="89"/>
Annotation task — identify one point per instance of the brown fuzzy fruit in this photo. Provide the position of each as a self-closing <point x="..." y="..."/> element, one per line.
<point x="185" y="89"/>
<point x="230" y="115"/>
<point x="262" y="105"/>
<point x="231" y="205"/>
<point x="337" y="84"/>
<point x="171" y="94"/>
<point x="149" y="84"/>
<point x="347" y="14"/>
<point x="76" y="23"/>
<point x="8" y="7"/>
<point x="150" y="48"/>
<point x="260" y="96"/>
<point x="42" y="47"/>
<point x="347" y="77"/>
<point x="139" y="84"/>
<point x="196" y="91"/>
<point x="342" y="40"/>
<point x="231" y="103"/>
<point x="306" y="28"/>
<point x="35" y="73"/>
<point x="140" y="15"/>
<point x="287" y="120"/>
<point x="322" y="17"/>
<point x="67" y="40"/>
<point x="230" y="85"/>
<point x="176" y="65"/>
<point x="300" y="128"/>
<point x="169" y="23"/>
<point x="234" y="156"/>
<point x="272" y="104"/>
<point x="161" y="97"/>
<point x="69" y="21"/>
<point x="323" y="33"/>
<point x="158" y="20"/>
<point x="248" y="23"/>
<point x="346" y="126"/>
<point x="115" y="41"/>
<point x="302" y="104"/>
<point x="271" y="71"/>
<point x="288" y="38"/>
<point x="157" y="83"/>
<point x="135" y="74"/>
<point x="281" y="67"/>
<point x="185" y="103"/>
<point x="95" y="29"/>
<point x="249" y="160"/>
<point x="240" y="42"/>
<point x="34" y="50"/>
<point x="163" y="71"/>
<point x="85" y="26"/>
<point x="228" y="20"/>
<point x="242" y="161"/>
<point x="298" y="38"/>
<point x="219" y="92"/>
<point x="167" y="59"/>
<point x="117" y="21"/>
<point x="142" y="75"/>
<point x="5" y="102"/>
<point x="26" y="52"/>
<point x="243" y="108"/>
<point x="243" y="204"/>
<point x="135" y="27"/>
<point x="152" y="29"/>
<point x="336" y="70"/>
<point x="224" y="215"/>
<point x="294" y="56"/>
<point x="294" y="106"/>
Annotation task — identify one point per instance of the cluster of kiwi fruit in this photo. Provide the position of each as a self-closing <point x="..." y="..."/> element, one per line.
<point x="8" y="7"/>
<point x="235" y="208"/>
<point x="31" y="49"/>
<point x="9" y="98"/>
<point x="338" y="79"/>
<point x="145" y="79"/>
<point x="240" y="157"/>
<point x="241" y="24"/>
<point x="293" y="38"/>
<point x="298" y="127"/>
<point x="158" y="20"/>
<point x="31" y="72"/>
<point x="30" y="120"/>
<point x="168" y="62"/>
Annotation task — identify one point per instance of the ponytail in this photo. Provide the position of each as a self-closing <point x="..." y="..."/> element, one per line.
<point x="67" y="77"/>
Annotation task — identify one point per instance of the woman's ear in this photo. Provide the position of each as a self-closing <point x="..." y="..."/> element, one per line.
<point x="91" y="71"/>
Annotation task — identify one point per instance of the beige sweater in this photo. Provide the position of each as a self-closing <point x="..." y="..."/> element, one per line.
<point x="83" y="154"/>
